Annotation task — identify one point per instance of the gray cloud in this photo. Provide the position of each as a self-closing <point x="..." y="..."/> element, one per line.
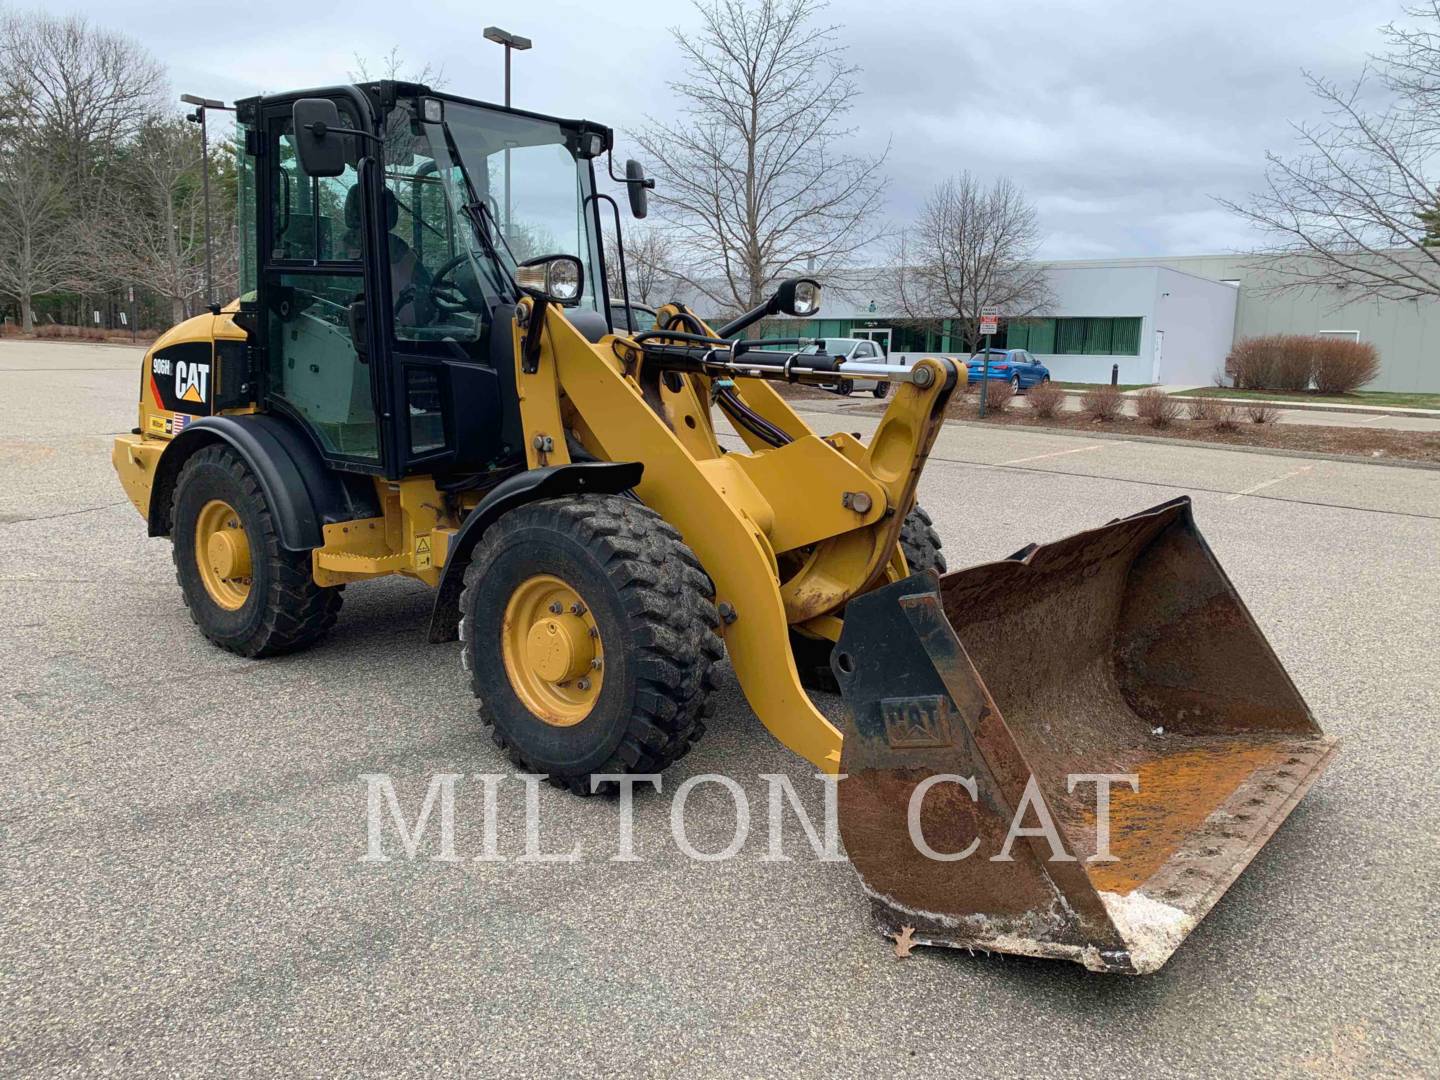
<point x="1121" y="119"/>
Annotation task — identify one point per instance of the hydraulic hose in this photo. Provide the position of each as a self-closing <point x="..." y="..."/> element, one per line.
<point x="735" y="408"/>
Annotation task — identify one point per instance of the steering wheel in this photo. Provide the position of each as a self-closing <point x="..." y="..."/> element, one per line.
<point x="447" y="295"/>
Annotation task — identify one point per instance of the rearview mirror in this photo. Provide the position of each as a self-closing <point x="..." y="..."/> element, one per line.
<point x="798" y="296"/>
<point x="637" y="186"/>
<point x="320" y="149"/>
<point x="557" y="278"/>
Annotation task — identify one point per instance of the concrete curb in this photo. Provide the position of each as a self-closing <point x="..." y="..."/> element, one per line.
<point x="1197" y="444"/>
<point x="1194" y="444"/>
<point x="1302" y="406"/>
<point x="1329" y="406"/>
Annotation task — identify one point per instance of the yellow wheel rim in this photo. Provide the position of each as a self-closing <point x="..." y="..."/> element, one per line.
<point x="552" y="651"/>
<point x="222" y="553"/>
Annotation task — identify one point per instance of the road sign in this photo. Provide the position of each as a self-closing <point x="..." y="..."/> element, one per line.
<point x="989" y="320"/>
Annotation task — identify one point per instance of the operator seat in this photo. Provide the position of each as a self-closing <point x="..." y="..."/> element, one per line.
<point x="409" y="279"/>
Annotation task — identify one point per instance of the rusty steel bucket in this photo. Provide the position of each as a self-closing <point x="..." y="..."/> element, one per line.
<point x="1122" y="650"/>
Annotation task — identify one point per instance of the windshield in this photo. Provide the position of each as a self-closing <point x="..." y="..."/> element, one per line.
<point x="524" y="185"/>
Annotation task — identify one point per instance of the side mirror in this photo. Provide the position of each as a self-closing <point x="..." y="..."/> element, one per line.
<point x="798" y="296"/>
<point x="320" y="148"/>
<point x="559" y="279"/>
<point x="637" y="185"/>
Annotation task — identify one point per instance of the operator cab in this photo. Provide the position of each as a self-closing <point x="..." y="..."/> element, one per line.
<point x="379" y="269"/>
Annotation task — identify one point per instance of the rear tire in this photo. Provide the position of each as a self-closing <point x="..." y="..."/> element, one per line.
<point x="921" y="545"/>
<point x="1015" y="383"/>
<point x="272" y="606"/>
<point x="881" y="391"/>
<point x="651" y="607"/>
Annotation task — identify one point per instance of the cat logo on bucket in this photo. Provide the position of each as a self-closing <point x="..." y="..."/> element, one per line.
<point x="191" y="381"/>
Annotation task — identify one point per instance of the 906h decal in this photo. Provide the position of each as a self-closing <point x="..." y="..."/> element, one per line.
<point x="180" y="378"/>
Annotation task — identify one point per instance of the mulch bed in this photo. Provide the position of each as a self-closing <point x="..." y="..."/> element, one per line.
<point x="1368" y="443"/>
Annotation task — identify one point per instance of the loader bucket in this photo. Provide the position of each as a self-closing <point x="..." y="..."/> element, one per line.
<point x="1122" y="650"/>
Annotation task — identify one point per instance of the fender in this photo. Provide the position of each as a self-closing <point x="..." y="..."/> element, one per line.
<point x="547" y="482"/>
<point x="302" y="492"/>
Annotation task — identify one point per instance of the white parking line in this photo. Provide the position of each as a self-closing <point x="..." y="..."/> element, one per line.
<point x="1267" y="483"/>
<point x="1059" y="453"/>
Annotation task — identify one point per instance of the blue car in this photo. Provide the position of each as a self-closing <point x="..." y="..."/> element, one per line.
<point x="1015" y="366"/>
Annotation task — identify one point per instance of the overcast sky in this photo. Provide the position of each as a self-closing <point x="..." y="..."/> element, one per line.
<point x="1121" y="118"/>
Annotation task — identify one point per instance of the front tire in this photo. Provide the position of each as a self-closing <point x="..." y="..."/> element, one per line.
<point x="589" y="632"/>
<point x="920" y="543"/>
<point x="245" y="592"/>
<point x="881" y="391"/>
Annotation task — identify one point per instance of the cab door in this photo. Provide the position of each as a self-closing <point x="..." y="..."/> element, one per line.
<point x="322" y="368"/>
<point x="446" y="325"/>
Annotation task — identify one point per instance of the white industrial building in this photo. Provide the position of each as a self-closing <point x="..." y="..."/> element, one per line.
<point x="1162" y="320"/>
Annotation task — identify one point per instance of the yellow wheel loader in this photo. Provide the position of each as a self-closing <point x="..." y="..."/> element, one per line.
<point x="1071" y="752"/>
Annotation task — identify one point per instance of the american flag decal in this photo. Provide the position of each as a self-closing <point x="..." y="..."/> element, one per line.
<point x="178" y="424"/>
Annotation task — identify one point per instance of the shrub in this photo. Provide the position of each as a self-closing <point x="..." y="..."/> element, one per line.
<point x="1102" y="402"/>
<point x="1226" y="417"/>
<point x="1292" y="361"/>
<point x="1045" y="399"/>
<point x="1295" y="362"/>
<point x="1157" y="408"/>
<point x="1343" y="366"/>
<point x="1262" y="413"/>
<point x="1253" y="362"/>
<point x="1203" y="409"/>
<point x="1277" y="362"/>
<point x="70" y="333"/>
<point x="998" y="396"/>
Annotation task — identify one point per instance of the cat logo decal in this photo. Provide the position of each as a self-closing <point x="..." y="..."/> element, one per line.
<point x="191" y="381"/>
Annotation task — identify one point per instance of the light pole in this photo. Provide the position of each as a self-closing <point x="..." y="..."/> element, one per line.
<point x="510" y="41"/>
<point x="202" y="106"/>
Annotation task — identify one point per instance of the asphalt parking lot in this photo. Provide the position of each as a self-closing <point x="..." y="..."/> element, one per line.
<point x="182" y="888"/>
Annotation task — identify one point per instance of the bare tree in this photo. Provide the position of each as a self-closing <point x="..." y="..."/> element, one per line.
<point x="37" y="245"/>
<point x="394" y="66"/>
<point x="74" y="94"/>
<point x="750" y="174"/>
<point x="152" y="229"/>
<point x="649" y="265"/>
<point x="79" y="89"/>
<point x="971" y="248"/>
<point x="1358" y="202"/>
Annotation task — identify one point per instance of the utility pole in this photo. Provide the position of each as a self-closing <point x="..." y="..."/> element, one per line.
<point x="202" y="107"/>
<point x="510" y="41"/>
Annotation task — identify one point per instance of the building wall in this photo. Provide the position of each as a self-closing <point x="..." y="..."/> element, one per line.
<point x="1195" y="314"/>
<point x="1196" y="317"/>
<point x="1123" y="293"/>
<point x="1406" y="333"/>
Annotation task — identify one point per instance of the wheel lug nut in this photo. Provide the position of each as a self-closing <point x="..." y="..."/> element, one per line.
<point x="556" y="608"/>
<point x="594" y="632"/>
<point x="583" y="684"/>
<point x="577" y="609"/>
<point x="595" y="664"/>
